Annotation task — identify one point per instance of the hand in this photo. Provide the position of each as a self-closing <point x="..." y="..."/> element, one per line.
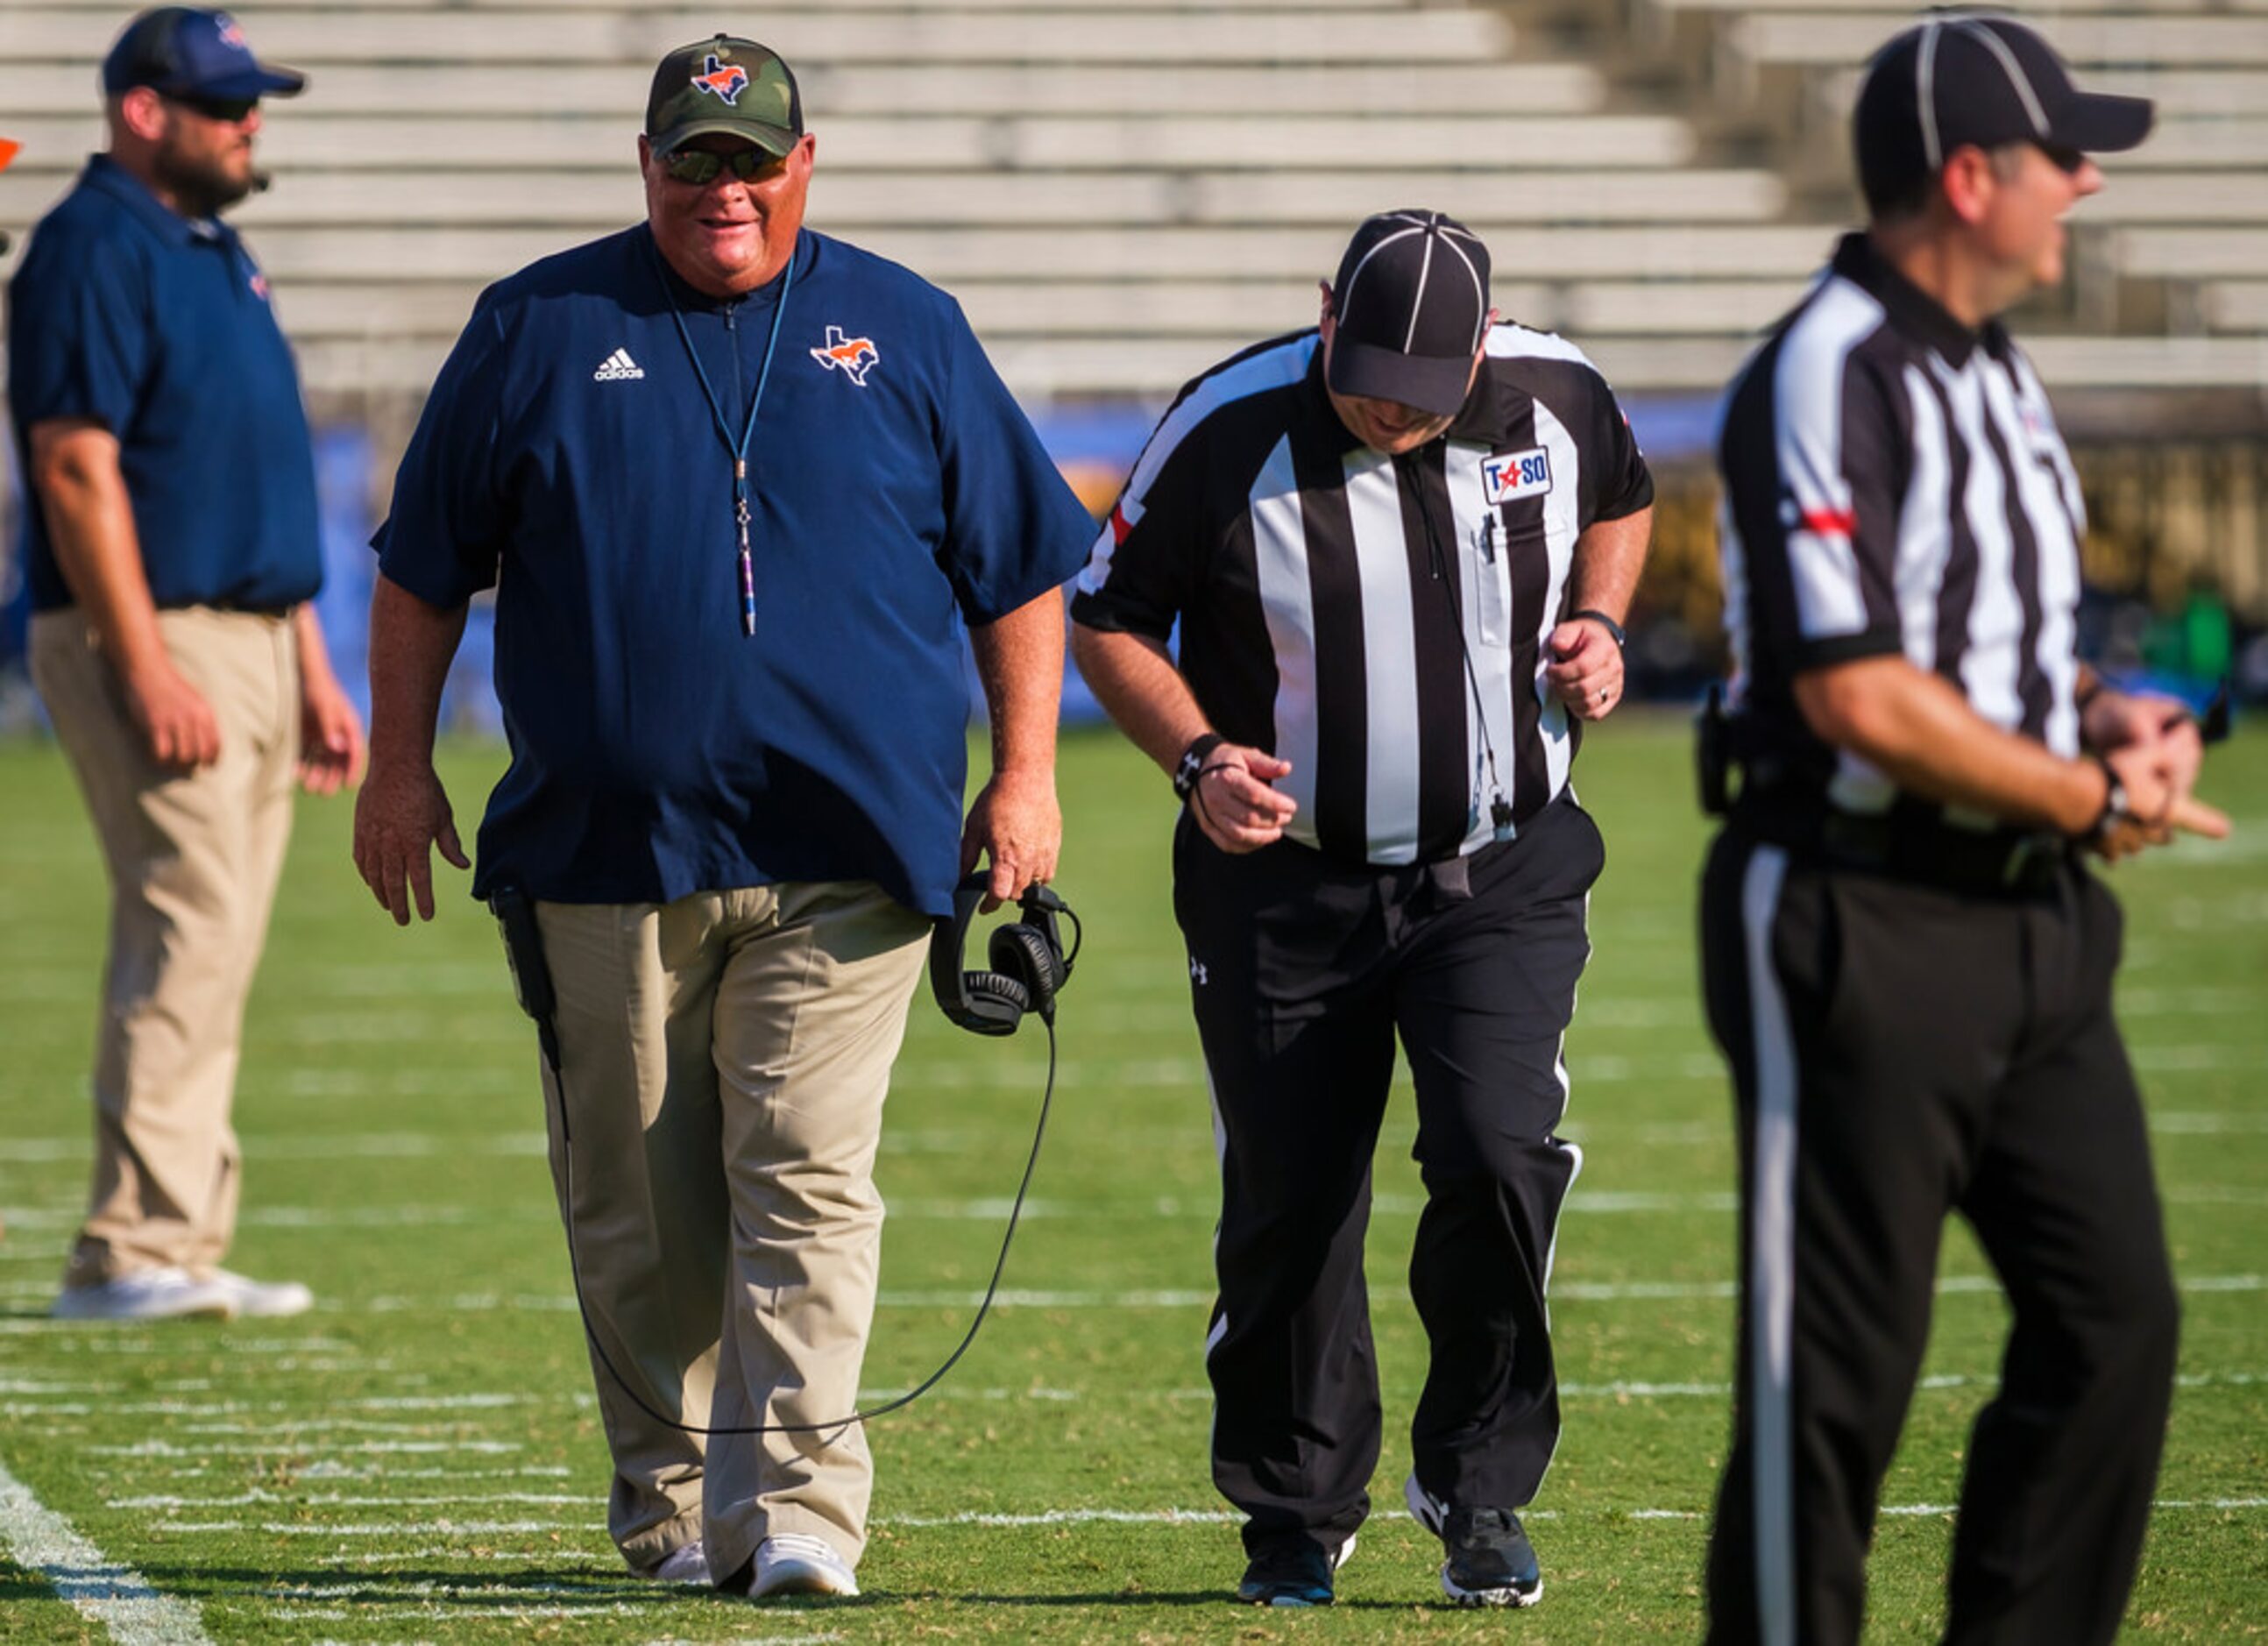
<point x="1017" y="824"/>
<point x="1586" y="670"/>
<point x="1233" y="803"/>
<point x="2156" y="806"/>
<point x="178" y="726"/>
<point x="331" y="747"/>
<point x="2117" y="720"/>
<point x="401" y="814"/>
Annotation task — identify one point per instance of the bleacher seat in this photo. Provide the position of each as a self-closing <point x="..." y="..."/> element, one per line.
<point x="1121" y="190"/>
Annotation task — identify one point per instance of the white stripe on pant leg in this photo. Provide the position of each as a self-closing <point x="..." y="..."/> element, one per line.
<point x="1574" y="1153"/>
<point x="1771" y="1258"/>
<point x="116" y="1596"/>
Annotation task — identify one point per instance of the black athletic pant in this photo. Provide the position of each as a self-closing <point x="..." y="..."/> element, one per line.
<point x="1901" y="1052"/>
<point x="1302" y="975"/>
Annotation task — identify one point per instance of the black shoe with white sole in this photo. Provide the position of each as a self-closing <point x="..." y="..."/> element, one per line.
<point x="1490" y="1562"/>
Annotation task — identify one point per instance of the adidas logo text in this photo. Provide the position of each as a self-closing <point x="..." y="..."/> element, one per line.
<point x="617" y="367"/>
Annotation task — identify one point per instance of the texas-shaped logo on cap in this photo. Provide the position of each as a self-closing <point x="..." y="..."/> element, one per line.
<point x="727" y="82"/>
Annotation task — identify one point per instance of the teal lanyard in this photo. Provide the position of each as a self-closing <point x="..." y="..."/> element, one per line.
<point x="738" y="450"/>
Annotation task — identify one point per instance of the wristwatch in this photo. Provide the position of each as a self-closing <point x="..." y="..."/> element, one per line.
<point x="1191" y="766"/>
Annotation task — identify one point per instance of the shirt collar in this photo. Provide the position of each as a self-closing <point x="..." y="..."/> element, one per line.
<point x="1911" y="310"/>
<point x="107" y="176"/>
<point x="689" y="297"/>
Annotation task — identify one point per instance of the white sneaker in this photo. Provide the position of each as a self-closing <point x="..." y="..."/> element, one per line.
<point x="797" y="1563"/>
<point x="264" y="1299"/>
<point x="160" y="1293"/>
<point x="687" y="1564"/>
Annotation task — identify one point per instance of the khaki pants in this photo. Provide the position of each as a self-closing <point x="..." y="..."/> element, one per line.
<point x="726" y="1057"/>
<point x="194" y="861"/>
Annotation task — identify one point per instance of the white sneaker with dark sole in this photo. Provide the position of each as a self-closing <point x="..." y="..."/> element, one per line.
<point x="160" y="1293"/>
<point x="797" y="1563"/>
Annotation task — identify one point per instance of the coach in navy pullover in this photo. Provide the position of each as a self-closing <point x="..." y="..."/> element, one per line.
<point x="735" y="702"/>
<point x="568" y="456"/>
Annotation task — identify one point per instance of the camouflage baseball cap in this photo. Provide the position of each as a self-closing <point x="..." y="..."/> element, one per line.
<point x="724" y="85"/>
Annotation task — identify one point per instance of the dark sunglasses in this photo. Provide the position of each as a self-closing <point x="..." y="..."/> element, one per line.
<point x="232" y="110"/>
<point x="2066" y="161"/>
<point x="701" y="165"/>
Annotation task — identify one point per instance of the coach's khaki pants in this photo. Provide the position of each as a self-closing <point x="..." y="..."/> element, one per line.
<point x="725" y="1059"/>
<point x="194" y="861"/>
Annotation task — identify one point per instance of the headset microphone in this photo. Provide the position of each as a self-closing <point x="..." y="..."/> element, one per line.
<point x="1028" y="969"/>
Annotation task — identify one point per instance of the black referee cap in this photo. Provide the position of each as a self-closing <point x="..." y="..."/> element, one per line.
<point x="1960" y="80"/>
<point x="1411" y="304"/>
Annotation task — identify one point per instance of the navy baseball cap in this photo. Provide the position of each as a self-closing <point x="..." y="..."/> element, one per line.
<point x="1411" y="306"/>
<point x="1957" y="79"/>
<point x="182" y="51"/>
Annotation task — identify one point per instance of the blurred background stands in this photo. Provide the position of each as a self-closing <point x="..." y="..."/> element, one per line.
<point x="1122" y="193"/>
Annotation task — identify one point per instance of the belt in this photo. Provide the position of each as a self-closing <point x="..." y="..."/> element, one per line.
<point x="1916" y="847"/>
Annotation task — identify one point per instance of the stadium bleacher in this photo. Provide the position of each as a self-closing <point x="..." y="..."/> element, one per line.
<point x="1120" y="192"/>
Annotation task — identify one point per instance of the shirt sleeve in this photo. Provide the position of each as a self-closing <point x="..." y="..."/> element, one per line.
<point x="1142" y="572"/>
<point x="1816" y="508"/>
<point x="1625" y="484"/>
<point x="1014" y="528"/>
<point x="444" y="535"/>
<point x="78" y="332"/>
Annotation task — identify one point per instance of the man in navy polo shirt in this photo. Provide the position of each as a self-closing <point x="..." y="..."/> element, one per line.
<point x="738" y="486"/>
<point x="172" y="557"/>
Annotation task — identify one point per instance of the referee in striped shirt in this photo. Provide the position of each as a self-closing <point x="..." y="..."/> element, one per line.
<point x="1907" y="965"/>
<point x="1400" y="547"/>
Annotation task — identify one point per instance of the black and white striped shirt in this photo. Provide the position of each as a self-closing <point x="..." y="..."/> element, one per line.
<point x="1894" y="482"/>
<point x="1322" y="586"/>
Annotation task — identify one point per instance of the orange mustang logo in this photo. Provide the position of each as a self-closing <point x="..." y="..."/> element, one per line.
<point x="727" y="82"/>
<point x="856" y="356"/>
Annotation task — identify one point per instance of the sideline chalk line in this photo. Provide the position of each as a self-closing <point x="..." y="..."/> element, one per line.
<point x="99" y="1589"/>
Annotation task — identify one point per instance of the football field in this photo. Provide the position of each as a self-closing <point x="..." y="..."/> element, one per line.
<point x="419" y="1459"/>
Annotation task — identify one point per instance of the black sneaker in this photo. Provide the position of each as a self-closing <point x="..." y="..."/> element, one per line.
<point x="1490" y="1562"/>
<point x="1296" y="1572"/>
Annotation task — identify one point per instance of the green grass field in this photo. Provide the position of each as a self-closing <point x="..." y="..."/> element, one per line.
<point x="419" y="1459"/>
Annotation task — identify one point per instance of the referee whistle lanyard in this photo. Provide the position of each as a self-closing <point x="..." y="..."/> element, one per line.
<point x="737" y="449"/>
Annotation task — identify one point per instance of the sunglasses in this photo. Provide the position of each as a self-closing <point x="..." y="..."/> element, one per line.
<point x="2066" y="161"/>
<point x="230" y="110"/>
<point x="701" y="165"/>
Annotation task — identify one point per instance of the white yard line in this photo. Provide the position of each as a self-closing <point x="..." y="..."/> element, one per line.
<point x="942" y="1297"/>
<point x="99" y="1589"/>
<point x="167" y="1449"/>
<point x="1215" y="1517"/>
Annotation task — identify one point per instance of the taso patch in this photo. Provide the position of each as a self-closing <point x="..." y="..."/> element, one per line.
<point x="1509" y="476"/>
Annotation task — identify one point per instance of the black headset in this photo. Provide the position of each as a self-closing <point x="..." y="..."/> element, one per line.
<point x="1028" y="965"/>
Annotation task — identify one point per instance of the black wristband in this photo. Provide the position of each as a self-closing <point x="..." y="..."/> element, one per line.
<point x="1590" y="614"/>
<point x="1187" y="769"/>
<point x="2115" y="809"/>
